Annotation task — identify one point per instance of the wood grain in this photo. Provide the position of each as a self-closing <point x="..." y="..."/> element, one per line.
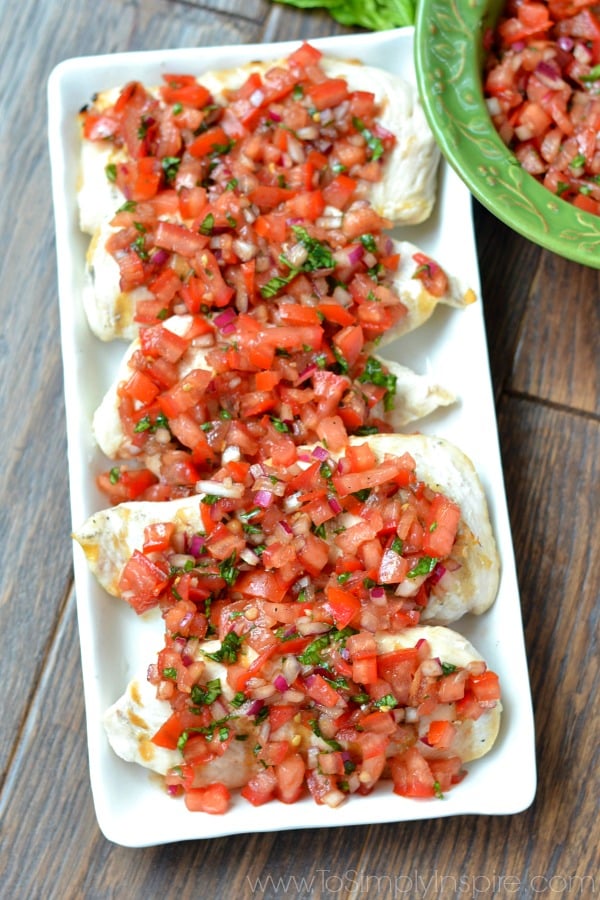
<point x="542" y="322"/>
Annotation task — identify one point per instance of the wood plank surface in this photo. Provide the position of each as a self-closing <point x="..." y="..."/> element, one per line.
<point x="542" y="323"/>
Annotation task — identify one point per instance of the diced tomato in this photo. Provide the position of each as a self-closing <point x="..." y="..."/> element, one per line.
<point x="186" y="90"/>
<point x="160" y="341"/>
<point x="266" y="585"/>
<point x="485" y="687"/>
<point x="411" y="775"/>
<point x="158" y="536"/>
<point x="306" y="205"/>
<point x="121" y="484"/>
<point x="142" y="582"/>
<point x="179" y="239"/>
<point x="328" y="93"/>
<point x="340" y="191"/>
<point x="321" y="692"/>
<point x="213" y="140"/>
<point x="261" y="787"/>
<point x="364" y="670"/>
<point x="306" y="55"/>
<point x="343" y="605"/>
<point x="441" y="526"/>
<point x="140" y="387"/>
<point x="214" y="799"/>
<point x="431" y="274"/>
<point x="441" y="734"/>
<point x="290" y="778"/>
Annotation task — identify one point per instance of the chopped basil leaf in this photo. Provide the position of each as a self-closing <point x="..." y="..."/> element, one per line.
<point x="448" y="668"/>
<point x="170" y="165"/>
<point x="143" y="129"/>
<point x="311" y="656"/>
<point x="238" y="699"/>
<point x="139" y="247"/>
<point x="343" y="577"/>
<point x="373" y="374"/>
<point x="114" y="476"/>
<point x="318" y="733"/>
<point x="388" y="701"/>
<point x="373" y="142"/>
<point x="272" y="287"/>
<point x="205" y="694"/>
<point x="261" y="715"/>
<point x="144" y="424"/>
<point x="577" y="162"/>
<point x="397" y="545"/>
<point x="177" y="109"/>
<point x="228" y="570"/>
<point x="251" y="529"/>
<point x="338" y="167"/>
<point x="592" y="75"/>
<point x="111" y="172"/>
<point x="319" y="254"/>
<point x="207" y="224"/>
<point x="341" y="361"/>
<point x="128" y="206"/>
<point x="229" y="649"/>
<point x="425" y="566"/>
<point x="279" y="425"/>
<point x="368" y="242"/>
<point x="360" y="698"/>
<point x="251" y="513"/>
<point x="170" y="673"/>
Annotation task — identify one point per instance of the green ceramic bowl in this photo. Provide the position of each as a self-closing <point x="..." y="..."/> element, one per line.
<point x="448" y="57"/>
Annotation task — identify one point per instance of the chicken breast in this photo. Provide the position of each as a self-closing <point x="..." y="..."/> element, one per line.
<point x="469" y="582"/>
<point x="136" y="716"/>
<point x="110" y="311"/>
<point x="406" y="194"/>
<point x="416" y="395"/>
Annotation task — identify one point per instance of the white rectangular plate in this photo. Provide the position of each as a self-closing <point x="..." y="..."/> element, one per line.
<point x="132" y="809"/>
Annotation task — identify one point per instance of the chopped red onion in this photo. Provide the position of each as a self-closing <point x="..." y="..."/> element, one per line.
<point x="263" y="498"/>
<point x="254" y="708"/>
<point x="160" y="257"/>
<point x="320" y="453"/>
<point x="306" y="373"/>
<point x="335" y="504"/>
<point x="225" y="318"/>
<point x="280" y="683"/>
<point x="437" y="574"/>
<point x="565" y="42"/>
<point x="196" y="544"/>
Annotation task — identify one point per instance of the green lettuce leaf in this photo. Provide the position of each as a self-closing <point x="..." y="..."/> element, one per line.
<point x="377" y="15"/>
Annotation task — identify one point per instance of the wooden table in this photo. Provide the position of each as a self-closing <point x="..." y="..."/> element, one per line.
<point x="543" y="324"/>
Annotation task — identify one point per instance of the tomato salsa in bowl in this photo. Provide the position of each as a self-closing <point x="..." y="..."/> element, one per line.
<point x="491" y="131"/>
